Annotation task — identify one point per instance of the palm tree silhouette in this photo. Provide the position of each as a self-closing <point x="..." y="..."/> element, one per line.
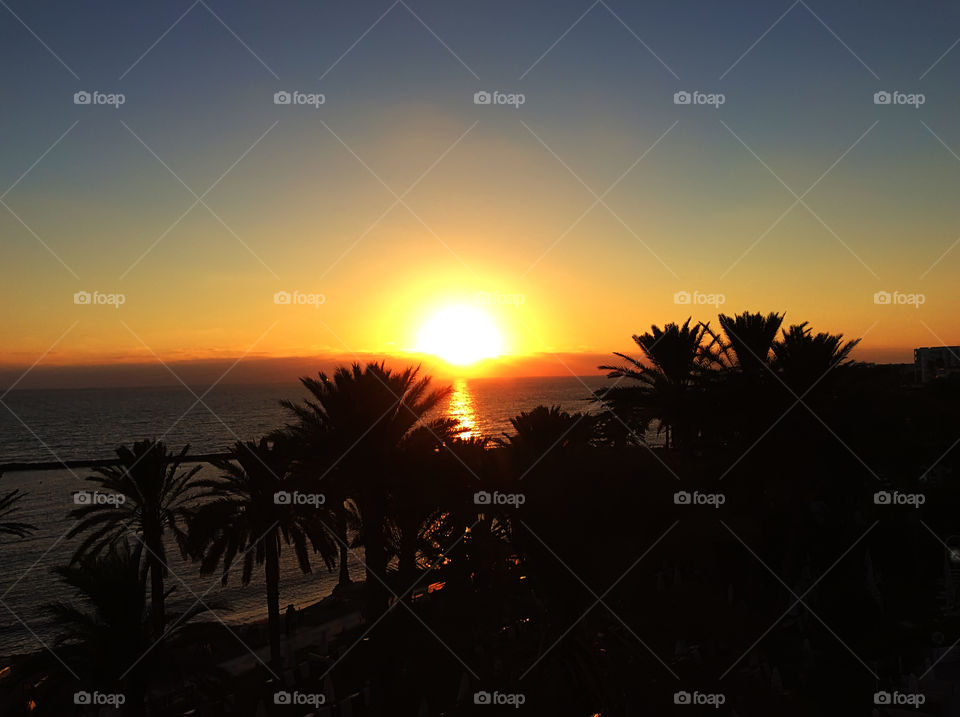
<point x="356" y="423"/>
<point x="804" y="358"/>
<point x="8" y="506"/>
<point x="248" y="512"/>
<point x="544" y="430"/>
<point x="749" y="340"/>
<point x="106" y="635"/>
<point x="675" y="359"/>
<point x="152" y="499"/>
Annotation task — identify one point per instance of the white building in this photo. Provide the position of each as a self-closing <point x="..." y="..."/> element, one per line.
<point x="932" y="362"/>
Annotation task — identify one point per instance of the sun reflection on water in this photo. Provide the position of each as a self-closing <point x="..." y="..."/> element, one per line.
<point x="461" y="408"/>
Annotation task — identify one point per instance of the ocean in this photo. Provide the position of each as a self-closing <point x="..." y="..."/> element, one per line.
<point x="70" y="424"/>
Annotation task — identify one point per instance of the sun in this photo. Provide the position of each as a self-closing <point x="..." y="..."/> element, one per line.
<point x="460" y="335"/>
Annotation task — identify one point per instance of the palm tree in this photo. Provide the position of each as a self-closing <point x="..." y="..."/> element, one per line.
<point x="738" y="403"/>
<point x="545" y="431"/>
<point x="248" y="513"/>
<point x="355" y="424"/>
<point x="8" y="506"/>
<point x="149" y="496"/>
<point x="750" y="340"/>
<point x="804" y="358"/>
<point x="674" y="359"/>
<point x="107" y="636"/>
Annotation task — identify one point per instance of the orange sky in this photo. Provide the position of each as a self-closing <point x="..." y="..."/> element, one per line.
<point x="581" y="215"/>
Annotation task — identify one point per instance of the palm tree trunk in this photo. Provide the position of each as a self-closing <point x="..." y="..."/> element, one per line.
<point x="156" y="566"/>
<point x="375" y="556"/>
<point x="344" y="579"/>
<point x="272" y="575"/>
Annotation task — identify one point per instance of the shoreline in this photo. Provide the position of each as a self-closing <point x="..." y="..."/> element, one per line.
<point x="316" y="618"/>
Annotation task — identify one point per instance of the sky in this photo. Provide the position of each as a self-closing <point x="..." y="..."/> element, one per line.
<point x="592" y="210"/>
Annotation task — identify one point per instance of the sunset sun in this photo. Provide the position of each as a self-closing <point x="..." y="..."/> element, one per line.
<point x="460" y="335"/>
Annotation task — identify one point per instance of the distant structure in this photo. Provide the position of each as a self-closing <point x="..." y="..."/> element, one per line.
<point x="932" y="362"/>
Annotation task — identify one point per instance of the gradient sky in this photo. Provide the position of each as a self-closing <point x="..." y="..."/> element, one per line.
<point x="501" y="193"/>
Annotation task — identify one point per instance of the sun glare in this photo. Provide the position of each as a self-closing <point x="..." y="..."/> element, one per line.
<point x="460" y="335"/>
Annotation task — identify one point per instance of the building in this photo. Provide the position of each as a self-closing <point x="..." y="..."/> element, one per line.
<point x="932" y="362"/>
